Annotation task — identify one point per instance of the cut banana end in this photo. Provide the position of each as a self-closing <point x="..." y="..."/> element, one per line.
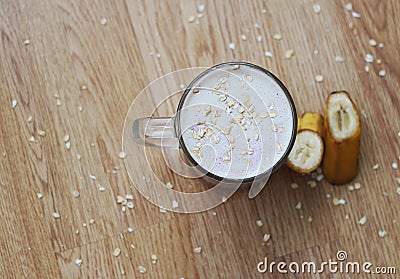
<point x="342" y="136"/>
<point x="307" y="152"/>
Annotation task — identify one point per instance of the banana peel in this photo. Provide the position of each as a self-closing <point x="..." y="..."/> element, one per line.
<point x="342" y="137"/>
<point x="312" y="121"/>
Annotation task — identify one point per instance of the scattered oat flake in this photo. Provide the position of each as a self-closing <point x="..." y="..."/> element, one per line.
<point x="243" y="37"/>
<point x="14" y="103"/>
<point x="375" y="167"/>
<point x="335" y="201"/>
<point x="355" y="15"/>
<point x="312" y="183"/>
<point x="66" y="138"/>
<point x="102" y="188"/>
<point x="266" y="237"/>
<point x="41" y="133"/>
<point x="30" y="118"/>
<point x="319" y="78"/>
<point x="122" y="155"/>
<point x="56" y="215"/>
<point x="395" y="165"/>
<point x="78" y="262"/>
<point x="191" y="19"/>
<point x="382" y="233"/>
<point x="130" y="205"/>
<point x="294" y="185"/>
<point x="382" y="73"/>
<point x="92" y="177"/>
<point x="357" y="186"/>
<point x="27" y="42"/>
<point x="366" y="68"/>
<point x="232" y="46"/>
<point x="31" y="139"/>
<point x="342" y="201"/>
<point x="117" y="252"/>
<point x="249" y="77"/>
<point x="68" y="145"/>
<point x="91" y="221"/>
<point x="364" y="114"/>
<point x="398" y="190"/>
<point x="197" y="250"/>
<point x="259" y="38"/>
<point x="130" y="230"/>
<point x="369" y="58"/>
<point x="349" y="7"/>
<point x="142" y="269"/>
<point x="169" y="185"/>
<point x="372" y="42"/>
<point x="103" y="21"/>
<point x="163" y="210"/>
<point x="362" y="221"/>
<point x="289" y="53"/>
<point x="317" y="8"/>
<point x="380" y="45"/>
<point x="259" y="223"/>
<point x="277" y="36"/>
<point x="175" y="204"/>
<point x="39" y="195"/>
<point x="398" y="180"/>
<point x="298" y="205"/>
<point x="76" y="194"/>
<point x="236" y="67"/>
<point x="121" y="199"/>
<point x="268" y="54"/>
<point x="320" y="177"/>
<point x="339" y="59"/>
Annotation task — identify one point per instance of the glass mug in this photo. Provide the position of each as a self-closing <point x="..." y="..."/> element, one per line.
<point x="236" y="123"/>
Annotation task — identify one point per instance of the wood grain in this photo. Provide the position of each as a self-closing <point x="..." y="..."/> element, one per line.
<point x="141" y="41"/>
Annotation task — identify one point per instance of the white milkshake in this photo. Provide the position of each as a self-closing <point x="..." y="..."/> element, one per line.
<point x="236" y="121"/>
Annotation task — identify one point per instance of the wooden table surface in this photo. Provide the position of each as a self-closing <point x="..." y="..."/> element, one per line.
<point x="51" y="50"/>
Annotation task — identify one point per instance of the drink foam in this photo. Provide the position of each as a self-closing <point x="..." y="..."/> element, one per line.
<point x="236" y="121"/>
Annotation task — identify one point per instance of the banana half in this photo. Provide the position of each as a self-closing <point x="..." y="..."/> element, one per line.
<point x="342" y="136"/>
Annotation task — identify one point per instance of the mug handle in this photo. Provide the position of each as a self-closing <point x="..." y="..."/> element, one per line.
<point x="155" y="131"/>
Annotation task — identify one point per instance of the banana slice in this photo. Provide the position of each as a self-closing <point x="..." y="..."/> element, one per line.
<point x="342" y="137"/>
<point x="307" y="152"/>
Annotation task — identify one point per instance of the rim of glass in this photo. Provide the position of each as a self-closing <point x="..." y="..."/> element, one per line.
<point x="177" y="123"/>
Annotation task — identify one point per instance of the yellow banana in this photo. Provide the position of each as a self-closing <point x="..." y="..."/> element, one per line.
<point x="308" y="148"/>
<point x="342" y="136"/>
